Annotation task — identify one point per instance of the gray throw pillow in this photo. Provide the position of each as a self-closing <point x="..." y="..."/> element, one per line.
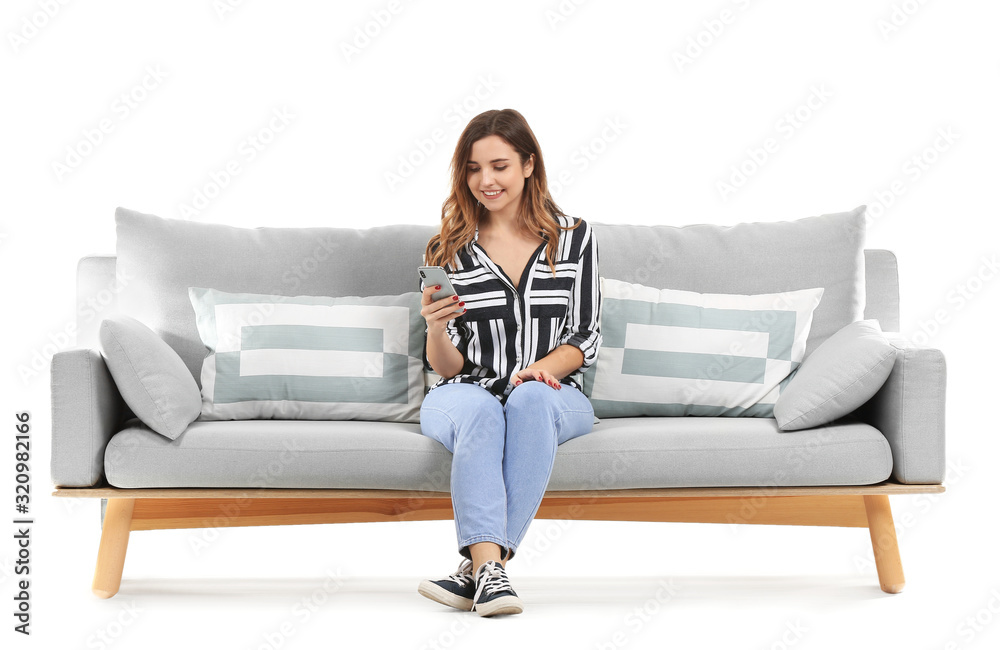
<point x="152" y="378"/>
<point x="843" y="373"/>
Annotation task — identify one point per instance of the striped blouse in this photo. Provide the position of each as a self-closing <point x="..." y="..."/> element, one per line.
<point x="508" y="327"/>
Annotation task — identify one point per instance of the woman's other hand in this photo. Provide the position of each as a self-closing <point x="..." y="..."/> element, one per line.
<point x="535" y="374"/>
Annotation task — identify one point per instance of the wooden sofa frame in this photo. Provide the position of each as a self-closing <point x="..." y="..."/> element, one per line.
<point x="864" y="506"/>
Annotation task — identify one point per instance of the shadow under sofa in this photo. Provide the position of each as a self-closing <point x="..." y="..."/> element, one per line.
<point x="654" y="469"/>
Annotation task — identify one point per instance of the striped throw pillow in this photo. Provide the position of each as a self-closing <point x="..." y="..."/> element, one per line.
<point x="310" y="357"/>
<point x="670" y="352"/>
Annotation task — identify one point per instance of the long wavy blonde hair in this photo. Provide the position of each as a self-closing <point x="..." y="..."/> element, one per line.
<point x="460" y="213"/>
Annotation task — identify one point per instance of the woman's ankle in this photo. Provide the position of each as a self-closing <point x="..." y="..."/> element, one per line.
<point x="483" y="552"/>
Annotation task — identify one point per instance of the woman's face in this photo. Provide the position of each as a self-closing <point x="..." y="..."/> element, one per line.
<point x="496" y="176"/>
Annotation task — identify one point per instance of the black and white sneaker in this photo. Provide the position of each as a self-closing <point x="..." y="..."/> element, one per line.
<point x="494" y="594"/>
<point x="455" y="591"/>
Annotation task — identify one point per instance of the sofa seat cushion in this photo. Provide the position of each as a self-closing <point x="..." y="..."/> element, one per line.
<point x="651" y="452"/>
<point x="619" y="453"/>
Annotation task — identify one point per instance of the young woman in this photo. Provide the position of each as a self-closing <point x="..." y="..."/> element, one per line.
<point x="527" y="279"/>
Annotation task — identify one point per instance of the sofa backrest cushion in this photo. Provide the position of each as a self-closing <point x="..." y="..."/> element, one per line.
<point x="749" y="258"/>
<point x="161" y="258"/>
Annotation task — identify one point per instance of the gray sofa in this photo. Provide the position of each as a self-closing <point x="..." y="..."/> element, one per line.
<point x="705" y="469"/>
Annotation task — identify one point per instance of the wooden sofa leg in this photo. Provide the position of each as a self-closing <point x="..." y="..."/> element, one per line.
<point x="884" y="545"/>
<point x="114" y="544"/>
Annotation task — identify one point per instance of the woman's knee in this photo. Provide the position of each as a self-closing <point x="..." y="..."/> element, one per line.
<point x="533" y="396"/>
<point x="472" y="399"/>
<point x="459" y="397"/>
<point x="569" y="410"/>
<point x="466" y="407"/>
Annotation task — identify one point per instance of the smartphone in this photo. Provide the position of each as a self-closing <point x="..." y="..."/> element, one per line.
<point x="436" y="275"/>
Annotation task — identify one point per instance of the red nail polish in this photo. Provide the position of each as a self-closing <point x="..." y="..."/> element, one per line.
<point x="454" y="297"/>
<point x="438" y="287"/>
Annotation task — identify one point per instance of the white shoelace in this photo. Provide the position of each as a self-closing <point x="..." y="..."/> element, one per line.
<point x="464" y="573"/>
<point x="493" y="579"/>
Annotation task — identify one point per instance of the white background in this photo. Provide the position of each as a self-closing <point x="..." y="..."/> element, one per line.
<point x="886" y="79"/>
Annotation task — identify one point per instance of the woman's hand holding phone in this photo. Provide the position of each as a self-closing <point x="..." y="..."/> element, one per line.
<point x="438" y="312"/>
<point x="438" y="305"/>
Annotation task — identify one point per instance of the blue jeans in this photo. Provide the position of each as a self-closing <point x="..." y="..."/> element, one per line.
<point x="502" y="455"/>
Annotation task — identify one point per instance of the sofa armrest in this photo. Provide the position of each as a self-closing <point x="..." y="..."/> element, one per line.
<point x="86" y="411"/>
<point x="909" y="411"/>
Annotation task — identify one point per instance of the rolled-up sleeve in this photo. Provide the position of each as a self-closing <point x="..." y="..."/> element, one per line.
<point x="583" y="318"/>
